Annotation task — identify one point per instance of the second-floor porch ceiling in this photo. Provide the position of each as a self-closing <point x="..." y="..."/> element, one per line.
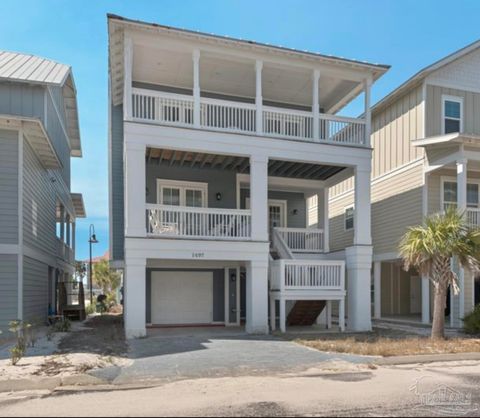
<point x="239" y="164"/>
<point x="162" y="56"/>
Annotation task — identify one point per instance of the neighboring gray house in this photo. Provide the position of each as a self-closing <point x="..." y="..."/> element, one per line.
<point x="39" y="133"/>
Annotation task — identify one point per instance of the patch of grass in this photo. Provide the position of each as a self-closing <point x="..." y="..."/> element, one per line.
<point x="372" y="345"/>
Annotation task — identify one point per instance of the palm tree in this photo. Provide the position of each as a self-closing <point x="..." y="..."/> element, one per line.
<point x="430" y="249"/>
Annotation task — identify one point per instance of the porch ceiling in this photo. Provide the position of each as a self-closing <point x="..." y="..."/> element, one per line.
<point x="276" y="168"/>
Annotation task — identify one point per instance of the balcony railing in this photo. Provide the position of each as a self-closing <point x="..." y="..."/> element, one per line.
<point x="200" y="223"/>
<point x="227" y="116"/>
<point x="473" y="217"/>
<point x="308" y="275"/>
<point x="303" y="240"/>
<point x="65" y="252"/>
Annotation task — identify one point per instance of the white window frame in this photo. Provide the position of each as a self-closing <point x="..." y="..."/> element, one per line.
<point x="183" y="186"/>
<point x="345" y="218"/>
<point x="457" y="99"/>
<point x="451" y="179"/>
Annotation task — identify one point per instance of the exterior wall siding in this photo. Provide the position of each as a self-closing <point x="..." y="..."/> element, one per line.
<point x="8" y="291"/>
<point x="35" y="289"/>
<point x="117" y="221"/>
<point x="397" y="198"/>
<point x="8" y="187"/>
<point x="219" y="181"/>
<point x="39" y="203"/>
<point x="21" y="99"/>
<point x="471" y="109"/>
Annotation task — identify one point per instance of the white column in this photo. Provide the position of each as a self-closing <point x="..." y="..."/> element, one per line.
<point x="283" y="315"/>
<point x="377" y="288"/>
<point x="316" y="104"/>
<point x="359" y="267"/>
<point x="362" y="207"/>
<point x="259" y="197"/>
<point x="135" y="297"/>
<point x="135" y="190"/>
<point x="425" y="300"/>
<point x="341" y="314"/>
<point x="257" y="297"/>
<point x="368" y="116"/>
<point x="326" y="221"/>
<point x="62" y="222"/>
<point x="196" y="88"/>
<point x="328" y="308"/>
<point x="273" y="314"/>
<point x="74" y="243"/>
<point x="127" y="78"/>
<point x="259" y="96"/>
<point x="462" y="206"/>
<point x="67" y="224"/>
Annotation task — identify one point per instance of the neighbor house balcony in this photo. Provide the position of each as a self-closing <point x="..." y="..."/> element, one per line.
<point x="64" y="252"/>
<point x="473" y="217"/>
<point x="229" y="116"/>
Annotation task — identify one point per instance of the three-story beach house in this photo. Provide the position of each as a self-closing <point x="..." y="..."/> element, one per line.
<point x="39" y="134"/>
<point x="222" y="153"/>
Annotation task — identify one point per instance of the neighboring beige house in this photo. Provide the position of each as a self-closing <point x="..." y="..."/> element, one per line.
<point x="426" y="140"/>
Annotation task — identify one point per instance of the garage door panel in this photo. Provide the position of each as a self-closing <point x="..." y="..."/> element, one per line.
<point x="182" y="297"/>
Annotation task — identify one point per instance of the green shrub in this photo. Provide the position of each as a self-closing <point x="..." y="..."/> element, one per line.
<point x="90" y="309"/>
<point x="62" y="326"/>
<point x="471" y="323"/>
<point x="19" y="349"/>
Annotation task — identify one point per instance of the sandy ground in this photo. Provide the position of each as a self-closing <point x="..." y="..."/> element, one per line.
<point x="66" y="354"/>
<point x="334" y="389"/>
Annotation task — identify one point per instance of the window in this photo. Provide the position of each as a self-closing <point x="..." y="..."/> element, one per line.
<point x="452" y="114"/>
<point x="177" y="193"/>
<point x="450" y="194"/>
<point x="349" y="218"/>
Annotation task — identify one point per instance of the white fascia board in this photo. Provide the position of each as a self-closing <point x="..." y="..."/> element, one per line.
<point x="195" y="140"/>
<point x="185" y="249"/>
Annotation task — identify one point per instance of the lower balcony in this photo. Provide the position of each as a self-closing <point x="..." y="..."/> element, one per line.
<point x="64" y="252"/>
<point x="198" y="223"/>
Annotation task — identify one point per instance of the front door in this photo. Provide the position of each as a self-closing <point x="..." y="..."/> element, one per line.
<point x="277" y="213"/>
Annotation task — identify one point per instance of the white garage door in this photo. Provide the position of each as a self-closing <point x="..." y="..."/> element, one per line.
<point x="180" y="297"/>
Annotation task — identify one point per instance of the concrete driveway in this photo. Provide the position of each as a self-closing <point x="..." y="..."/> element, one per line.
<point x="179" y="354"/>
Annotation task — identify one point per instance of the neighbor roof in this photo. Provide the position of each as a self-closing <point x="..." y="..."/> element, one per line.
<point x="423" y="73"/>
<point x="27" y="68"/>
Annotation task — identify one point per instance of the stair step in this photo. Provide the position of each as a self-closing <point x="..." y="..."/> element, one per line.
<point x="305" y="312"/>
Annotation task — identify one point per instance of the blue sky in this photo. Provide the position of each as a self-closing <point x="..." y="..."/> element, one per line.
<point x="408" y="35"/>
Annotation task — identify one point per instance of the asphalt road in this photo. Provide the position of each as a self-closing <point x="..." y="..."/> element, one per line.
<point x="328" y="389"/>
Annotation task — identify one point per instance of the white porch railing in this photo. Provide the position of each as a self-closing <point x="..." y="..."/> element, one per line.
<point x="229" y="116"/>
<point x="308" y="275"/>
<point x="303" y="240"/>
<point x="287" y="123"/>
<point x="473" y="217"/>
<point x="64" y="251"/>
<point x="163" y="108"/>
<point x="202" y="223"/>
<point x="340" y="129"/>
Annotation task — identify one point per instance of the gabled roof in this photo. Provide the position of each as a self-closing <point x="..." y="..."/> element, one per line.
<point x="423" y="73"/>
<point x="27" y="68"/>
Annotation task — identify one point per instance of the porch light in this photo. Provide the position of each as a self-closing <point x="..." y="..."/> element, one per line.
<point x="219" y="196"/>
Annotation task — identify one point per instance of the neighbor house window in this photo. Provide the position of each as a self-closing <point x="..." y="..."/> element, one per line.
<point x="450" y="195"/>
<point x="349" y="218"/>
<point x="452" y="114"/>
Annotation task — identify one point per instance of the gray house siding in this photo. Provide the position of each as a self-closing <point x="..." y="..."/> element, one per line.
<point x="39" y="204"/>
<point x="35" y="289"/>
<point x="117" y="222"/>
<point x="22" y="100"/>
<point x="8" y="187"/>
<point x="219" y="181"/>
<point x="57" y="136"/>
<point x="8" y="290"/>
<point x="296" y="206"/>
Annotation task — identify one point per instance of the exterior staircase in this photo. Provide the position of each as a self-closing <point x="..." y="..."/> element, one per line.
<point x="306" y="312"/>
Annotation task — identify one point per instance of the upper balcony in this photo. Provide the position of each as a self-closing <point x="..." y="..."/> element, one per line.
<point x="173" y="77"/>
